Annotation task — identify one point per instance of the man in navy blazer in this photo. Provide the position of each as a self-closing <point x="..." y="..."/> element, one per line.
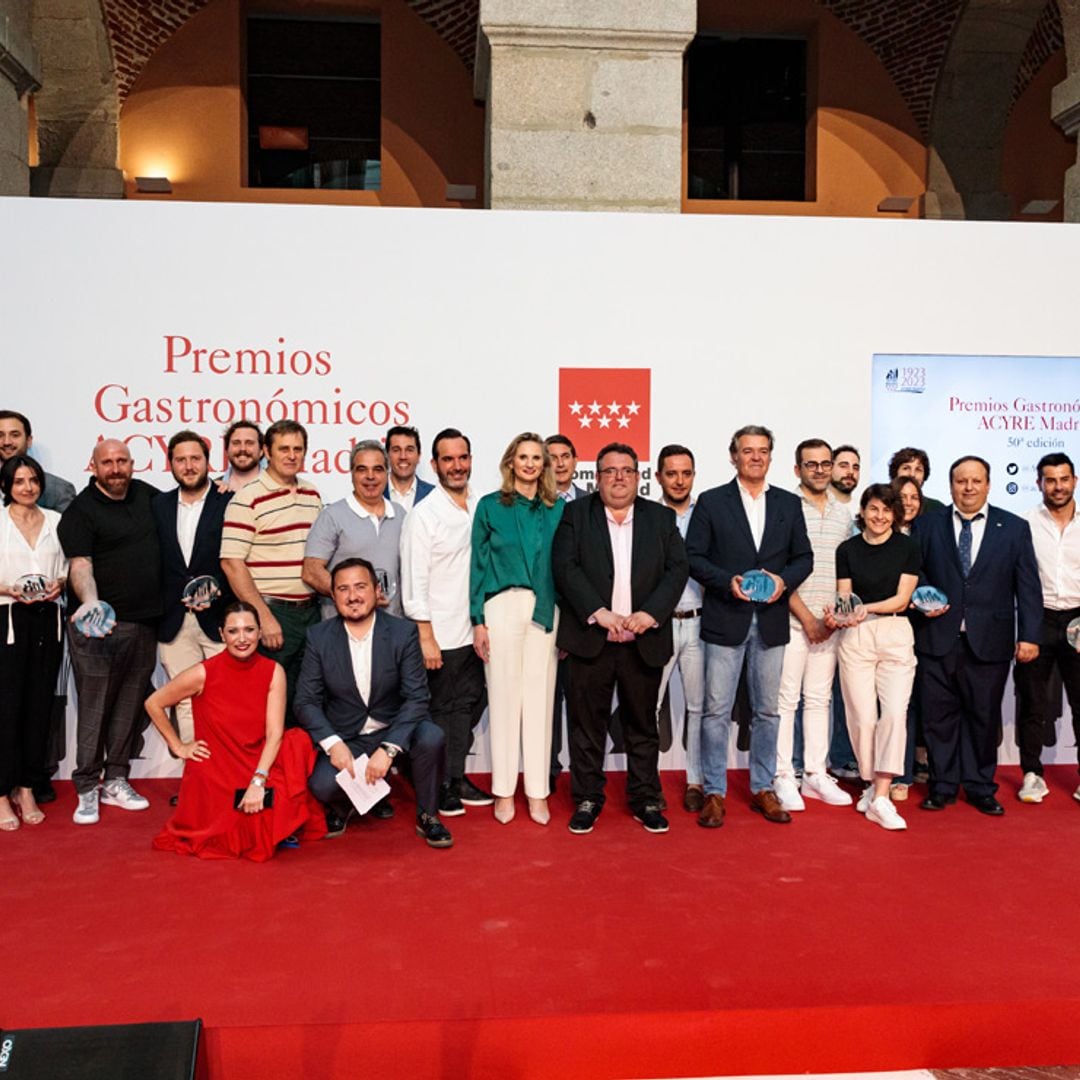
<point x="740" y="526"/>
<point x="403" y="486"/>
<point x="983" y="559"/>
<point x="363" y="689"/>
<point x="188" y="521"/>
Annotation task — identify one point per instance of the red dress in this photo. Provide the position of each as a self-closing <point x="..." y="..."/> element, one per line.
<point x="230" y="717"/>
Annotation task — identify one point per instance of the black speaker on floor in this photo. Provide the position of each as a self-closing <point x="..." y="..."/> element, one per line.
<point x="113" y="1052"/>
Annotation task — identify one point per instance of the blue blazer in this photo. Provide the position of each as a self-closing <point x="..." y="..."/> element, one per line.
<point x="423" y="490"/>
<point x="205" y="559"/>
<point x="721" y="547"/>
<point x="1000" y="602"/>
<point x="327" y="701"/>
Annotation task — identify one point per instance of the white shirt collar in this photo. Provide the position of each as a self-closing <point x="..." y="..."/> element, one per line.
<point x="359" y="511"/>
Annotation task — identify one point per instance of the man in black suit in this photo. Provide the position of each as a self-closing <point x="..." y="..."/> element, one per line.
<point x="363" y="689"/>
<point x="741" y="526"/>
<point x="620" y="567"/>
<point x="983" y="559"/>
<point x="188" y="521"/>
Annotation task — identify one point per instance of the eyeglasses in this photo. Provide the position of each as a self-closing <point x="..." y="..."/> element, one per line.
<point x="613" y="473"/>
<point x="817" y="466"/>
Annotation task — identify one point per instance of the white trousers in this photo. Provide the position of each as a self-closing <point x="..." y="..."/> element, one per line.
<point x="190" y="646"/>
<point x="521" y="688"/>
<point x="807" y="675"/>
<point x="877" y="670"/>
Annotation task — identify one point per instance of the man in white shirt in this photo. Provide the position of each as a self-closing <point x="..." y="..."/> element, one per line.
<point x="1055" y="531"/>
<point x="675" y="472"/>
<point x="436" y="551"/>
<point x="362" y="692"/>
<point x="403" y="449"/>
<point x="810" y="655"/>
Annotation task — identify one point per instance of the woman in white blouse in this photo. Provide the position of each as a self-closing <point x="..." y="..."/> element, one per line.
<point x="33" y="572"/>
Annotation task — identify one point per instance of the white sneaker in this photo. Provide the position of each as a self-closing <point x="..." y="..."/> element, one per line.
<point x="882" y="811"/>
<point x="822" y="786"/>
<point x="1033" y="789"/>
<point x="787" y="791"/>
<point x="865" y="799"/>
<point x="120" y="793"/>
<point x="86" y="813"/>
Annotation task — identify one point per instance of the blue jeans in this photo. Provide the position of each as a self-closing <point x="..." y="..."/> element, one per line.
<point x="690" y="659"/>
<point x="723" y="665"/>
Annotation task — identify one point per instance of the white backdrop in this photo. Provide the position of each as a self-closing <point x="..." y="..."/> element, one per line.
<point x="465" y="318"/>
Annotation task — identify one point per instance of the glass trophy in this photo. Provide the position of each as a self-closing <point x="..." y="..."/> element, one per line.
<point x="1072" y="634"/>
<point x="758" y="586"/>
<point x="928" y="599"/>
<point x="387" y="584"/>
<point x="846" y="608"/>
<point x="96" y="621"/>
<point x="32" y="587"/>
<point x="200" y="592"/>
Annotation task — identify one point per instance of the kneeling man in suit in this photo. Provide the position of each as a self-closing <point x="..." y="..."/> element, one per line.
<point x="363" y="690"/>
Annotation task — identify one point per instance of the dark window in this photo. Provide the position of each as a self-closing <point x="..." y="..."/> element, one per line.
<point x="313" y="103"/>
<point x="747" y="118"/>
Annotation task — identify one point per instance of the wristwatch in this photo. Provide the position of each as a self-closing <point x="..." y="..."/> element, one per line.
<point x="391" y="750"/>
<point x="258" y="781"/>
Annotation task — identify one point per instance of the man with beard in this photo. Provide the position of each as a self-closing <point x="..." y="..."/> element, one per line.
<point x="243" y="450"/>
<point x="436" y="550"/>
<point x="16" y="439"/>
<point x="845" y="472"/>
<point x="1055" y="530"/>
<point x="913" y="462"/>
<point x="189" y="520"/>
<point x="108" y="533"/>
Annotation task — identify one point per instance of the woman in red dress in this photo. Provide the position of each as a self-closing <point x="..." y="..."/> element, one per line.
<point x="240" y="745"/>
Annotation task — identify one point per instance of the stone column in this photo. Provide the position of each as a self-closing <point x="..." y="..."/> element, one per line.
<point x="584" y="102"/>
<point x="77" y="110"/>
<point x="18" y="78"/>
<point x="1065" y="101"/>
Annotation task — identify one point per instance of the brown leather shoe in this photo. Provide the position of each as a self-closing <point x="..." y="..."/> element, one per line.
<point x="768" y="805"/>
<point x="712" y="812"/>
<point x="693" y="798"/>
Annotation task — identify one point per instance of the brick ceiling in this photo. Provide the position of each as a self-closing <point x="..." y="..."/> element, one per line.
<point x="910" y="37"/>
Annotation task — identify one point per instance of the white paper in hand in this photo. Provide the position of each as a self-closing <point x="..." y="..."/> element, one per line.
<point x="362" y="794"/>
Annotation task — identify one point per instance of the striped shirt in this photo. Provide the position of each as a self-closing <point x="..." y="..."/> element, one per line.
<point x="267" y="526"/>
<point x="826" y="532"/>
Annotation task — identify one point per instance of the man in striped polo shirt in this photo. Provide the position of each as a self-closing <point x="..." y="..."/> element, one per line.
<point x="262" y="549"/>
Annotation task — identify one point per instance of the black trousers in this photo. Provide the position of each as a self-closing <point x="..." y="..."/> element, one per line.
<point x="28" y="668"/>
<point x="458" y="700"/>
<point x="557" y="720"/>
<point x="589" y="687"/>
<point x="960" y="698"/>
<point x="425" y="754"/>
<point x="1037" y="709"/>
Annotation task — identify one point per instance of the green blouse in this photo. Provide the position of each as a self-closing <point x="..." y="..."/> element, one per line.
<point x="511" y="548"/>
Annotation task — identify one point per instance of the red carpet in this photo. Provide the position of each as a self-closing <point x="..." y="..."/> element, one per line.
<point x="826" y="945"/>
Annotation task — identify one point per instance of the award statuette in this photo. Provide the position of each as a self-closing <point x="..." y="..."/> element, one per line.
<point x="32" y="587"/>
<point x="1072" y="634"/>
<point x="758" y="586"/>
<point x="928" y="599"/>
<point x="387" y="584"/>
<point x="200" y="592"/>
<point x="846" y="608"/>
<point x="96" y="621"/>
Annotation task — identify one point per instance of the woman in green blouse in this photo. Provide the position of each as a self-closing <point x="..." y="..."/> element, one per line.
<point x="512" y="605"/>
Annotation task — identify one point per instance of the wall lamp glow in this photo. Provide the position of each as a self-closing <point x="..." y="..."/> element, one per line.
<point x="153" y="185"/>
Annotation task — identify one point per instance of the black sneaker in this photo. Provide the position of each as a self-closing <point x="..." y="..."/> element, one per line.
<point x="336" y="824"/>
<point x="584" y="817"/>
<point x="383" y="810"/>
<point x="449" y="804"/>
<point x="651" y="818"/>
<point x="471" y="795"/>
<point x="431" y="829"/>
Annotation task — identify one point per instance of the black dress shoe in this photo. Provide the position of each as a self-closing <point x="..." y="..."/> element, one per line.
<point x="46" y="793"/>
<point x="336" y="824"/>
<point x="383" y="810"/>
<point x="937" y="802"/>
<point x="987" y="804"/>
<point x="449" y="803"/>
<point x="431" y="829"/>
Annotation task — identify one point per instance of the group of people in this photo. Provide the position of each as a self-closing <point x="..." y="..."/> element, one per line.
<point x="310" y="645"/>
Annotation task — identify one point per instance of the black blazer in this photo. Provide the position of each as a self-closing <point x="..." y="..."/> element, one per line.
<point x="584" y="569"/>
<point x="721" y="547"/>
<point x="327" y="701"/>
<point x="205" y="559"/>
<point x="1002" y="597"/>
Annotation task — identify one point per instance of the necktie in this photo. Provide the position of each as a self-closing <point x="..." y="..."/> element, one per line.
<point x="963" y="547"/>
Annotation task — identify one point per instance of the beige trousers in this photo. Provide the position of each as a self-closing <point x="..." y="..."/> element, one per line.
<point x="877" y="669"/>
<point x="190" y="646"/>
<point x="521" y="688"/>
